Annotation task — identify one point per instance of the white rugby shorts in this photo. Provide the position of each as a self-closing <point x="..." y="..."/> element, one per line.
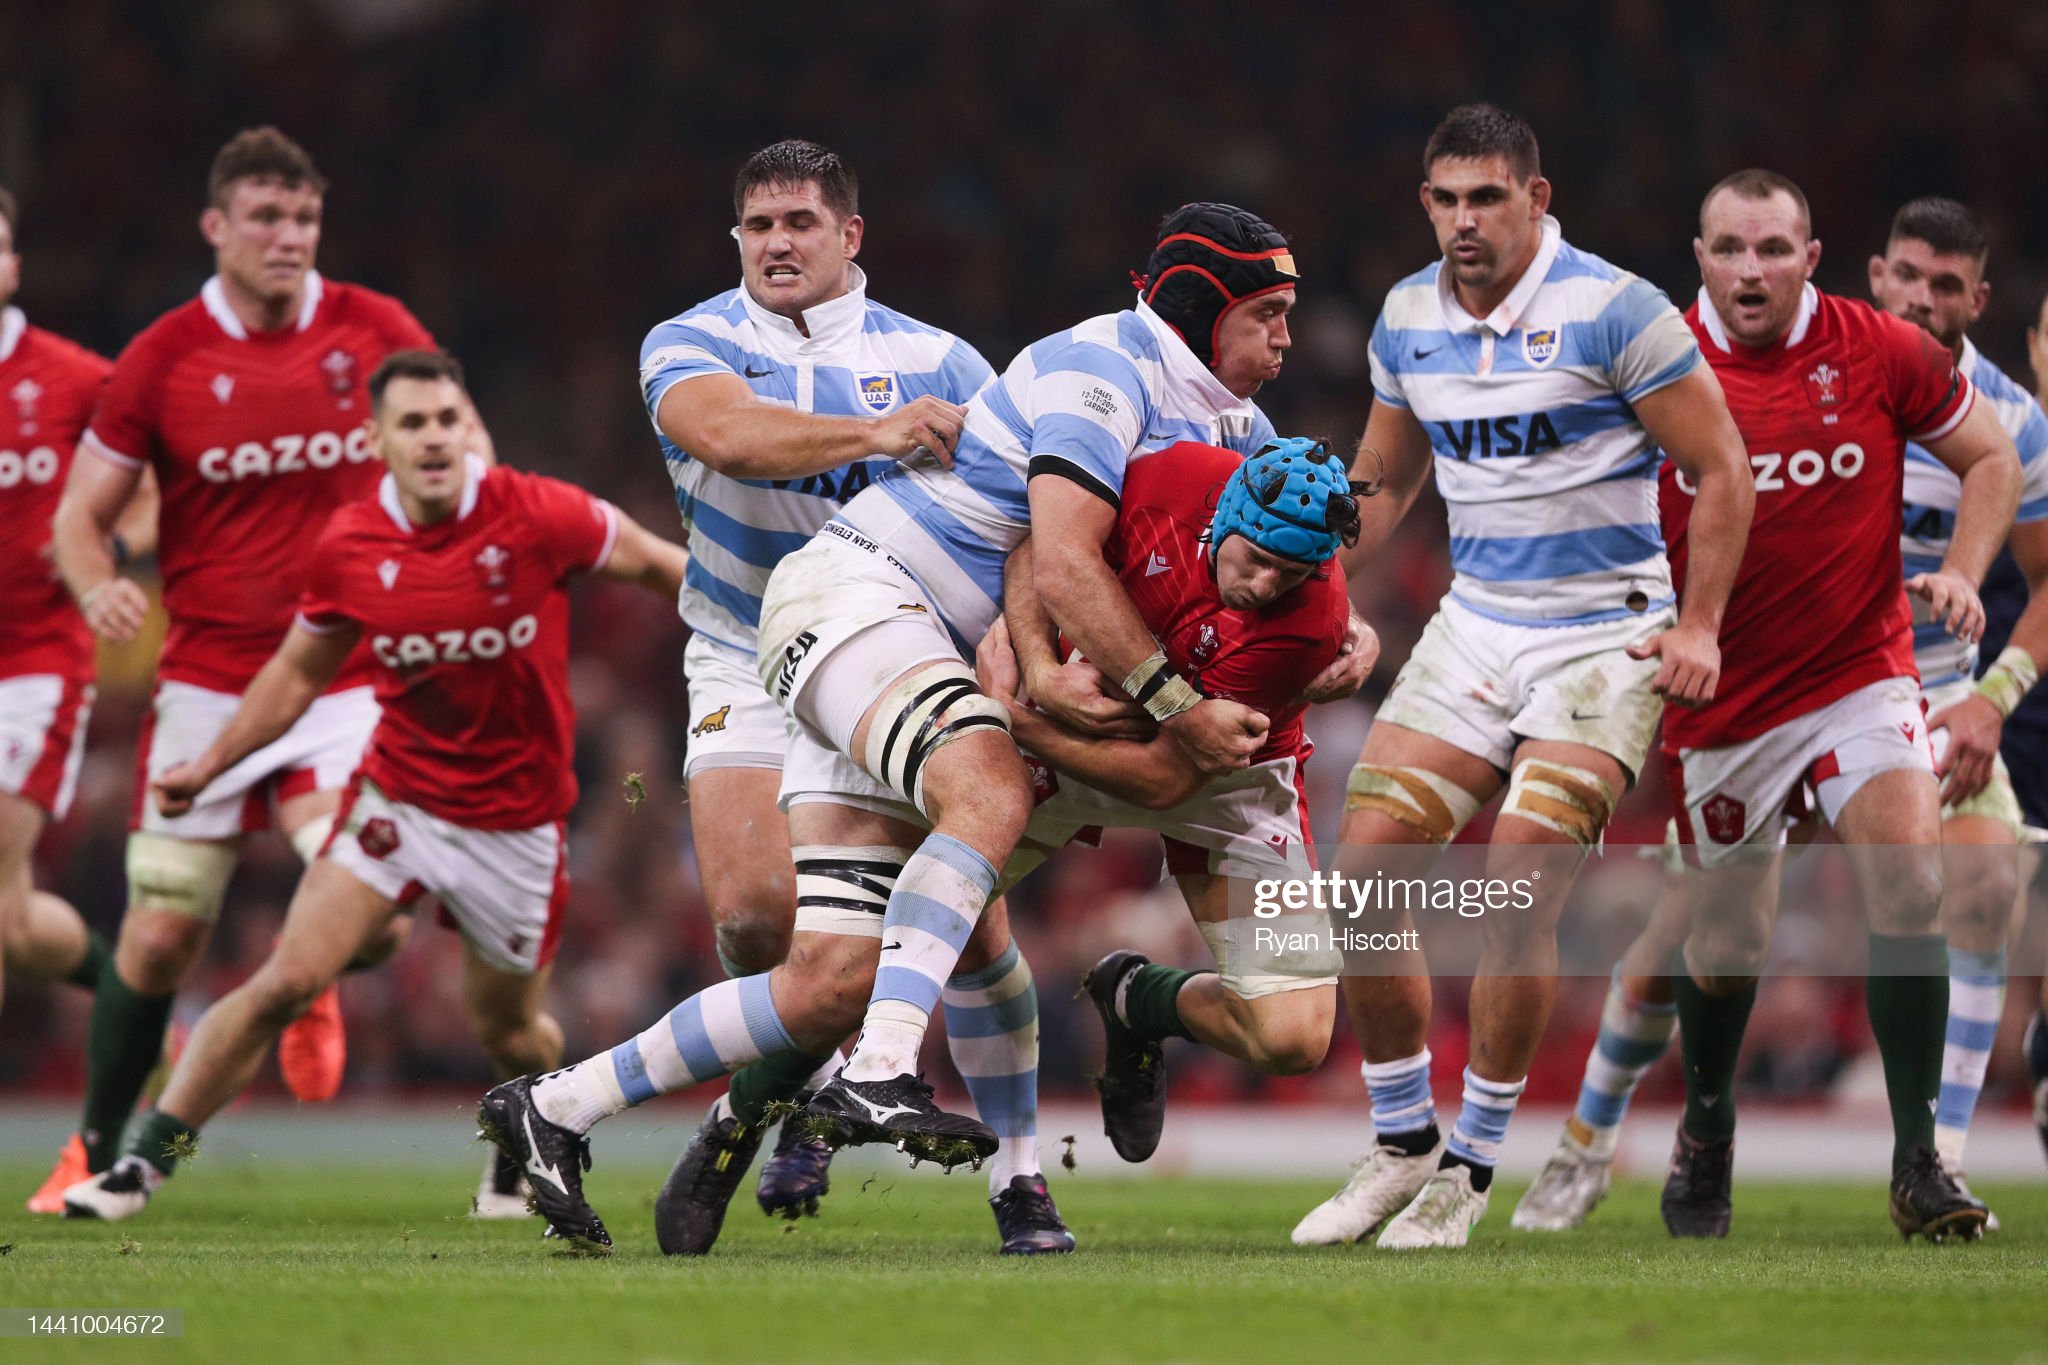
<point x="733" y="724"/>
<point x="43" y="720"/>
<point x="317" y="754"/>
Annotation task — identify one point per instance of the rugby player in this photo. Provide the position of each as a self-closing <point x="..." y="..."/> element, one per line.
<point x="1539" y="381"/>
<point x="455" y="575"/>
<point x="248" y="403"/>
<point x="1931" y="274"/>
<point x="2025" y="747"/>
<point x="775" y="403"/>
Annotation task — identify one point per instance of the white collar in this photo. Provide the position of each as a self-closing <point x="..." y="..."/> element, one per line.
<point x="1193" y="386"/>
<point x="1508" y="312"/>
<point x="13" y="322"/>
<point x="214" y="295"/>
<point x="830" y="324"/>
<point x="387" y="494"/>
<point x="1717" y="331"/>
<point x="1967" y="364"/>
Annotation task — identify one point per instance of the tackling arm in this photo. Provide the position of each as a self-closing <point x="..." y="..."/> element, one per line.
<point x="717" y="418"/>
<point x="1150" y="774"/>
<point x="1074" y="693"/>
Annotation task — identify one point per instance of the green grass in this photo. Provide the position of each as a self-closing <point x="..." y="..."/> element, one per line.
<point x="274" y="1263"/>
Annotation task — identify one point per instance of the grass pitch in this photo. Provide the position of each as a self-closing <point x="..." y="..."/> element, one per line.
<point x="273" y="1262"/>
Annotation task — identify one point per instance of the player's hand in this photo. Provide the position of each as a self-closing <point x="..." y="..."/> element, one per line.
<point x="925" y="423"/>
<point x="115" y="610"/>
<point x="1219" y="736"/>
<point x="1352" y="666"/>
<point x="1689" y="667"/>
<point x="1077" y="696"/>
<point x="995" y="665"/>
<point x="1972" y="729"/>
<point x="1952" y="601"/>
<point x="177" y="788"/>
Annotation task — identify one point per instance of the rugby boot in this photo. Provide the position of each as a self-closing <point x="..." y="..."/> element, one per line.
<point x="312" y="1052"/>
<point x="1133" y="1079"/>
<point x="1442" y="1215"/>
<point x="553" y="1159"/>
<point x="1383" y="1182"/>
<point x="690" y="1209"/>
<point x="1926" y="1202"/>
<point x="1991" y="1223"/>
<point x="900" y="1112"/>
<point x="69" y="1170"/>
<point x="1572" y="1182"/>
<point x="504" y="1192"/>
<point x="1027" y="1220"/>
<point x="1696" y="1199"/>
<point x="112" y="1195"/>
<point x="798" y="1172"/>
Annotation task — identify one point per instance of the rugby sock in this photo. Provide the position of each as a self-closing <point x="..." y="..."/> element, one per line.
<point x="1976" y="999"/>
<point x="123" y="1043"/>
<point x="1907" y="997"/>
<point x="715" y="1031"/>
<point x="1403" y="1109"/>
<point x="1148" y="1000"/>
<point x="160" y="1139"/>
<point x="992" y="1034"/>
<point x="97" y="963"/>
<point x="1633" y="1035"/>
<point x="782" y="1076"/>
<point x="1710" y="1032"/>
<point x="931" y="912"/>
<point x="1481" y="1127"/>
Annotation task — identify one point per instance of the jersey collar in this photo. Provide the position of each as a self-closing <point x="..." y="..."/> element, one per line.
<point x="1967" y="364"/>
<point x="832" y="324"/>
<point x="1710" y="318"/>
<point x="1190" y="386"/>
<point x="214" y="295"/>
<point x="1505" y="317"/>
<point x="13" y="322"/>
<point x="387" y="495"/>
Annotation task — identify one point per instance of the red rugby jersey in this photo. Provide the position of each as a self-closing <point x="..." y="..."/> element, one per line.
<point x="1817" y="610"/>
<point x="466" y="623"/>
<point x="47" y="389"/>
<point x="257" y="437"/>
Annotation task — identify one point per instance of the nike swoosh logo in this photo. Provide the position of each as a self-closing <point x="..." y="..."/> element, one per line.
<point x="760" y="374"/>
<point x="1421" y="354"/>
<point x="551" y="1174"/>
<point x="880" y="1115"/>
<point x="1709" y="1101"/>
<point x="1576" y="715"/>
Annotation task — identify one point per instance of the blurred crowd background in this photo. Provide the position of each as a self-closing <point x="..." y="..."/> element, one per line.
<point x="541" y="183"/>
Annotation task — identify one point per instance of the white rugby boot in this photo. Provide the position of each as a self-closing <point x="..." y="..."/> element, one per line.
<point x="504" y="1192"/>
<point x="1572" y="1183"/>
<point x="1382" y="1183"/>
<point x="1442" y="1215"/>
<point x="121" y="1192"/>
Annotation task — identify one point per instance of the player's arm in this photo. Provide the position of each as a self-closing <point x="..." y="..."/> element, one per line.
<point x="640" y="556"/>
<point x="1150" y="774"/>
<point x="717" y="418"/>
<point x="1395" y="449"/>
<point x="1976" y="724"/>
<point x="1071" y="524"/>
<point x="1689" y="419"/>
<point x="135" y="528"/>
<point x="303" y="666"/>
<point x="96" y="494"/>
<point x="1075" y="693"/>
<point x="1983" y="457"/>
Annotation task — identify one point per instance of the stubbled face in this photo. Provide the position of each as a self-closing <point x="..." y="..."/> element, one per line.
<point x="794" y="251"/>
<point x="1488" y="224"/>
<point x="10" y="263"/>
<point x="1252" y="341"/>
<point x="420" y="430"/>
<point x="1248" y="578"/>
<point x="1755" y="257"/>
<point x="1942" y="293"/>
<point x="266" y="238"/>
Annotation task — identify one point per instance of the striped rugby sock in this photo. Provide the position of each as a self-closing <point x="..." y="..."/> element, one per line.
<point x="1633" y="1035"/>
<point x="1976" y="999"/>
<point x="715" y="1031"/>
<point x="1482" y="1125"/>
<point x="992" y="1033"/>
<point x="931" y="913"/>
<point x="1402" y="1105"/>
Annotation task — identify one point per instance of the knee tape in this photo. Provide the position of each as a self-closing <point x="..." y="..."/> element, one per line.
<point x="921" y="714"/>
<point x="187" y="876"/>
<point x="1236" y="957"/>
<point x="1571" y="801"/>
<point x="844" y="890"/>
<point x="1428" y="803"/>
<point x="308" y="839"/>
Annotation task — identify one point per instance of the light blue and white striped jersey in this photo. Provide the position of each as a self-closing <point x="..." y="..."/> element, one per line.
<point x="860" y="360"/>
<point x="1550" y="481"/>
<point x="1083" y="404"/>
<point x="1933" y="493"/>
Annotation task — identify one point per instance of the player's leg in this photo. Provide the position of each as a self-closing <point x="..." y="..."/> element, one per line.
<point x="41" y="935"/>
<point x="332" y="916"/>
<point x="1980" y="903"/>
<point x="520" y="1038"/>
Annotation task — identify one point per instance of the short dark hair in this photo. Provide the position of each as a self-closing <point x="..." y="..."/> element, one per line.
<point x="1757" y="183"/>
<point x="1473" y="132"/>
<point x="793" y="161"/>
<point x="414" y="364"/>
<point x="261" y="154"/>
<point x="1948" y="226"/>
<point x="10" y="212"/>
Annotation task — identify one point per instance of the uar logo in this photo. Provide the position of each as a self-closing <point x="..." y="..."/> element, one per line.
<point x="1539" y="348"/>
<point x="877" y="391"/>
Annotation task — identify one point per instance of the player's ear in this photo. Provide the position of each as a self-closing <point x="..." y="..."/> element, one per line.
<point x="1812" y="256"/>
<point x="1699" y="256"/>
<point x="1876" y="274"/>
<point x="1980" y="298"/>
<point x="853" y="229"/>
<point x="1539" y="195"/>
<point x="213" y="226"/>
